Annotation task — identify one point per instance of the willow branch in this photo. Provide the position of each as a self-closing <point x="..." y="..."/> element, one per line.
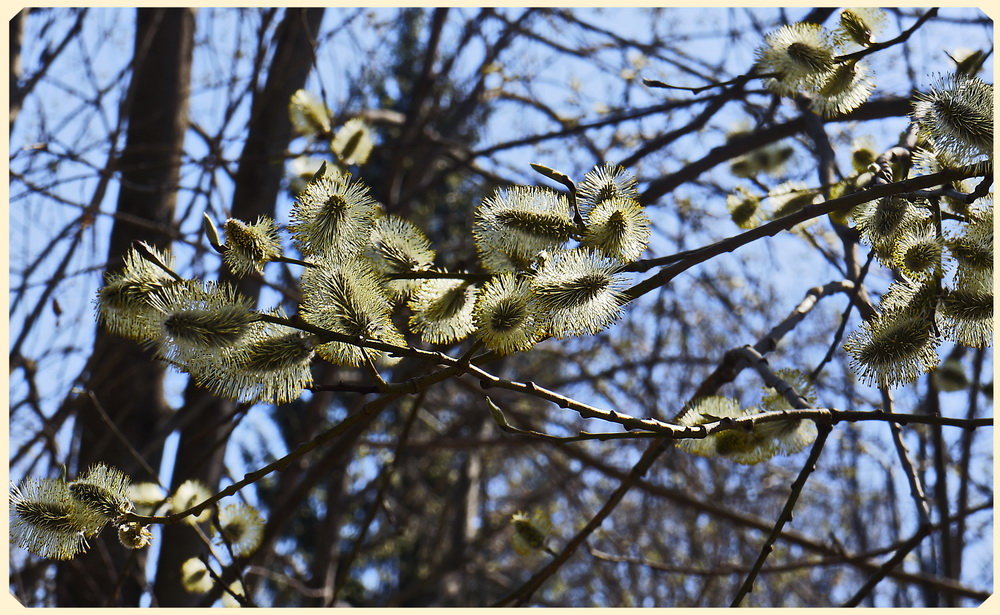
<point x="857" y="55"/>
<point x="786" y="223"/>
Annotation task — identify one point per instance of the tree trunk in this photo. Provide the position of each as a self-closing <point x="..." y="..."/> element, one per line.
<point x="258" y="180"/>
<point x="124" y="379"/>
<point x="16" y="40"/>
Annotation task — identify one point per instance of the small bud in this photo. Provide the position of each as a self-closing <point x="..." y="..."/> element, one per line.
<point x="353" y="142"/>
<point x="497" y="414"/>
<point x="556" y="176"/>
<point x="211" y="233"/>
<point x="195" y="577"/>
<point x="134" y="535"/>
<point x="918" y="255"/>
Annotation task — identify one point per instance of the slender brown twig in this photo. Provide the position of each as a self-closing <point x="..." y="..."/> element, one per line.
<point x="786" y="512"/>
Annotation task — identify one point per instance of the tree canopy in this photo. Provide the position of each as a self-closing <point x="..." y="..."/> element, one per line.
<point x="501" y="307"/>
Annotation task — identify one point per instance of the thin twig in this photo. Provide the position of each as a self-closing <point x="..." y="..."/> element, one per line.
<point x="369" y="409"/>
<point x="344" y="566"/>
<point x="439" y="275"/>
<point x="842" y="327"/>
<point x="857" y="55"/>
<point x="293" y="261"/>
<point x="663" y="276"/>
<point x="916" y="489"/>
<point x="786" y="512"/>
<point x="121" y="437"/>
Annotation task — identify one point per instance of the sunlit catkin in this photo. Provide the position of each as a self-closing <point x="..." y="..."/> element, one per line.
<point x="860" y="25"/>
<point x="195" y="577"/>
<point x="513" y="226"/>
<point x="242" y="528"/>
<point x="333" y="217"/>
<point x="800" y="55"/>
<point x="189" y="494"/>
<point x="617" y="227"/>
<point x="743" y="208"/>
<point x="270" y="364"/>
<point x="47" y="521"/>
<point x="967" y="315"/>
<point x="196" y="319"/>
<point x="250" y="246"/>
<point x="398" y="247"/>
<point x="134" y="535"/>
<point x="604" y="183"/>
<point x="125" y="302"/>
<point x="353" y="142"/>
<point x="744" y="447"/>
<point x="346" y="298"/>
<point x="793" y="435"/>
<point x="443" y="310"/>
<point x="892" y="350"/>
<point x="956" y="115"/>
<point x="506" y="316"/>
<point x="844" y="89"/>
<point x="103" y="490"/>
<point x="578" y="291"/>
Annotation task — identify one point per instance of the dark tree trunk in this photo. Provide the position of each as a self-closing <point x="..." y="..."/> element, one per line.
<point x="258" y="181"/>
<point x="16" y="40"/>
<point x="123" y="378"/>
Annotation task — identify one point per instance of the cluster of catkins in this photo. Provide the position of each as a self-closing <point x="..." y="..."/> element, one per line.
<point x="941" y="246"/>
<point x="360" y="264"/>
<point x="53" y="518"/>
<point x="767" y="439"/>
<point x="809" y="59"/>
